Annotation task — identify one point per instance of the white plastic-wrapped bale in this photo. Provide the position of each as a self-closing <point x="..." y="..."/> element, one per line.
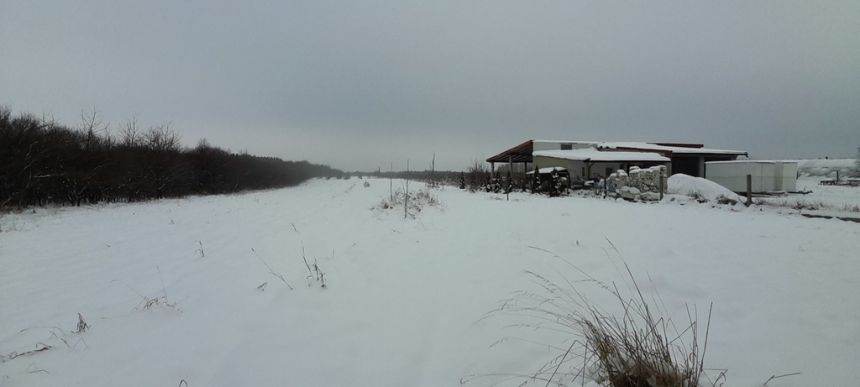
<point x="616" y="181"/>
<point x="629" y="193"/>
<point x="639" y="184"/>
<point x="635" y="178"/>
<point x="649" y="196"/>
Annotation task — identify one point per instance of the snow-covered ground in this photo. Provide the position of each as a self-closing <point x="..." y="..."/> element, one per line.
<point x="405" y="298"/>
<point x="842" y="199"/>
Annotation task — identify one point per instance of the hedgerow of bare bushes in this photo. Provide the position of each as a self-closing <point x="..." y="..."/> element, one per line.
<point x="44" y="162"/>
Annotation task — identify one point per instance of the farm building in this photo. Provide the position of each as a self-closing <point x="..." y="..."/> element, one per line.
<point x="593" y="159"/>
<point x="589" y="163"/>
<point x="767" y="175"/>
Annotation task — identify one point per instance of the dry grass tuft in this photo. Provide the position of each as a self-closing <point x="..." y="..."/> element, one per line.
<point x="315" y="274"/>
<point x="148" y="303"/>
<point x="40" y="347"/>
<point x="277" y="275"/>
<point x="634" y="345"/>
<point x="82" y="324"/>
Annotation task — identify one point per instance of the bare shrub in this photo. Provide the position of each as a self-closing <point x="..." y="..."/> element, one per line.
<point x="162" y="138"/>
<point x="415" y="201"/>
<point x="726" y="200"/>
<point x="477" y="176"/>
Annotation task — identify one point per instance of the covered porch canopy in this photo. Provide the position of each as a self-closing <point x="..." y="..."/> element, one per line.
<point x="588" y="163"/>
<point x="521" y="153"/>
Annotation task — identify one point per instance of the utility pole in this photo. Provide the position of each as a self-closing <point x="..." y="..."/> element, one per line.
<point x="433" y="170"/>
<point x="391" y="183"/>
<point x="406" y="197"/>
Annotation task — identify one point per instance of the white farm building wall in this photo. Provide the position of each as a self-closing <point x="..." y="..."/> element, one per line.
<point x="575" y="168"/>
<point x="767" y="175"/>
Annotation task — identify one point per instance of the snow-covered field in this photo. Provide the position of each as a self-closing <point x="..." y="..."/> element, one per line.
<point x="826" y="167"/>
<point x="844" y="199"/>
<point x="405" y="298"/>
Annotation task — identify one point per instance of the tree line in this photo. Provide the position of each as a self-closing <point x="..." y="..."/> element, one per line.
<point x="45" y="162"/>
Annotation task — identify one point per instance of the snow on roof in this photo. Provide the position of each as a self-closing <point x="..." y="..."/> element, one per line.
<point x="547" y="170"/>
<point x="751" y="161"/>
<point x="670" y="149"/>
<point x="570" y="142"/>
<point x="591" y="154"/>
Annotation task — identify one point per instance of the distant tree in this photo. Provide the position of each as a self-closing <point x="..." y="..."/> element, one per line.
<point x="129" y="135"/>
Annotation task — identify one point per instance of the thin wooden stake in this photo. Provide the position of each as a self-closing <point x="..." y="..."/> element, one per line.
<point x="510" y="178"/>
<point x="406" y="197"/>
<point x="433" y="169"/>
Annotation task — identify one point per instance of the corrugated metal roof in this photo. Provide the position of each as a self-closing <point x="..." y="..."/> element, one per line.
<point x="686" y="150"/>
<point x="594" y="155"/>
<point x="518" y="154"/>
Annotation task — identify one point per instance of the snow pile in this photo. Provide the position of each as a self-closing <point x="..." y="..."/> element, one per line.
<point x="826" y="167"/>
<point x="700" y="189"/>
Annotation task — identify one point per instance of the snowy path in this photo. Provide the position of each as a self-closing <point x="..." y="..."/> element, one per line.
<point x="404" y="296"/>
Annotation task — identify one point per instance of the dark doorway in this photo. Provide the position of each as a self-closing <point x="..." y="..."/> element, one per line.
<point x="686" y="165"/>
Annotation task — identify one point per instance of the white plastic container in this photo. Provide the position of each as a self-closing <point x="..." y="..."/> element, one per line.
<point x="767" y="175"/>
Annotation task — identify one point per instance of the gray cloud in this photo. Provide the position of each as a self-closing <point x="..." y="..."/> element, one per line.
<point x="360" y="84"/>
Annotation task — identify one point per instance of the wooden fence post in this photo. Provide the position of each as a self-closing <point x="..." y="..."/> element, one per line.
<point x="749" y="190"/>
<point x="661" y="183"/>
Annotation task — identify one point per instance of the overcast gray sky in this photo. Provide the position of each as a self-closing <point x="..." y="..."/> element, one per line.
<point x="360" y="84"/>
